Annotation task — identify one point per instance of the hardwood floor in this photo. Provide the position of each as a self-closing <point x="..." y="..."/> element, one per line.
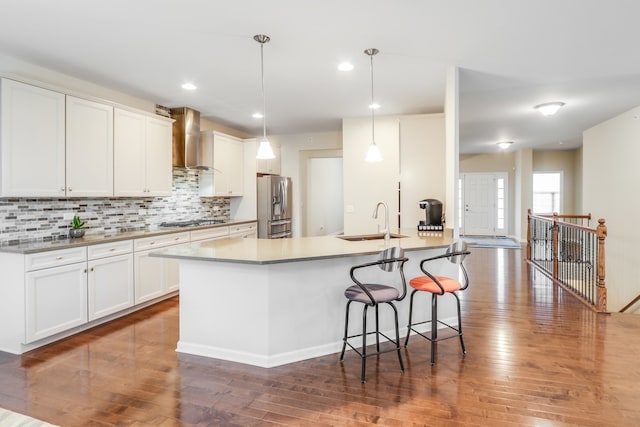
<point x="535" y="357"/>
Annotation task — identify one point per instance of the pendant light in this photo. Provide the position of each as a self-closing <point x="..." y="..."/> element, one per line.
<point x="264" y="148"/>
<point x="373" y="153"/>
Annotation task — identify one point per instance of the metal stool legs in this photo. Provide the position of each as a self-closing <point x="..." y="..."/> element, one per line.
<point x="363" y="351"/>
<point x="433" y="338"/>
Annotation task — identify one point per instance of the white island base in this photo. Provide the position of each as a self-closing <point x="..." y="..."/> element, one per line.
<point x="276" y="313"/>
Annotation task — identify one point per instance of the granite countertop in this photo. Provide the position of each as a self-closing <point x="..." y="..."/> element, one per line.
<point x="272" y="251"/>
<point x="94" y="239"/>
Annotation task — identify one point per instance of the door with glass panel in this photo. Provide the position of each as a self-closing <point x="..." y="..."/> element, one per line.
<point x="484" y="204"/>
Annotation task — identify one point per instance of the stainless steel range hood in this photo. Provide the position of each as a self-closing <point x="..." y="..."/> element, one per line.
<point x="188" y="150"/>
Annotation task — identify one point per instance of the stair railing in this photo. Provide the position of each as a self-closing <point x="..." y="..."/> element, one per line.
<point x="571" y="254"/>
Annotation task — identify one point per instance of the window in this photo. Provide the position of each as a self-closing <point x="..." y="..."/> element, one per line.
<point x="546" y="192"/>
<point x="500" y="205"/>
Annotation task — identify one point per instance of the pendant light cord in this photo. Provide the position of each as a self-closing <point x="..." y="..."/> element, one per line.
<point x="373" y="131"/>
<point x="264" y="101"/>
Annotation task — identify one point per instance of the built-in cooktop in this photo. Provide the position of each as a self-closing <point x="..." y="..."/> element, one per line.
<point x="192" y="222"/>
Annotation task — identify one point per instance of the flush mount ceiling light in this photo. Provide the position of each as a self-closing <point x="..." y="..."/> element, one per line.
<point x="373" y="153"/>
<point x="549" y="108"/>
<point x="345" y="66"/>
<point x="264" y="148"/>
<point x="257" y="115"/>
<point x="189" y="86"/>
<point x="504" y="144"/>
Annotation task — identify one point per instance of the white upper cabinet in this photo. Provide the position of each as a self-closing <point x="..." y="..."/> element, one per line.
<point x="32" y="140"/>
<point x="142" y="155"/>
<point x="159" y="169"/>
<point x="228" y="161"/>
<point x="89" y="148"/>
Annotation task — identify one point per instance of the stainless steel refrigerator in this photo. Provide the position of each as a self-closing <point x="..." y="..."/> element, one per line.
<point x="274" y="207"/>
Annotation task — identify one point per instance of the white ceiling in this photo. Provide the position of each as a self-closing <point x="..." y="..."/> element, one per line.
<point x="512" y="54"/>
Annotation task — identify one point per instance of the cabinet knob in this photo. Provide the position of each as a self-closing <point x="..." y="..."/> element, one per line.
<point x="62" y="189"/>
<point x="91" y="268"/>
<point x="70" y="189"/>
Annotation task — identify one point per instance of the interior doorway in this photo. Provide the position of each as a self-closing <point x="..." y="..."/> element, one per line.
<point x="321" y="192"/>
<point x="484" y="204"/>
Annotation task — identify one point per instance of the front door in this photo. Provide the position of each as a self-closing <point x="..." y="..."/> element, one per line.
<point x="479" y="204"/>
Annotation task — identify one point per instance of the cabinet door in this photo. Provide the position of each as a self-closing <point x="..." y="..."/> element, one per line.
<point x="159" y="169"/>
<point x="149" y="277"/>
<point x="172" y="272"/>
<point x="228" y="160"/>
<point x="236" y="168"/>
<point x="32" y="138"/>
<point x="89" y="148"/>
<point x="110" y="285"/>
<point x="129" y="154"/>
<point x="56" y="300"/>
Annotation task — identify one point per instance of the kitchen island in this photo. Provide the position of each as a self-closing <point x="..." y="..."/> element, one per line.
<point x="270" y="302"/>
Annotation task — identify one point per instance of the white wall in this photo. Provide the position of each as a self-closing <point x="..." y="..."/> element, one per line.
<point x="610" y="185"/>
<point x="423" y="167"/>
<point x="367" y="183"/>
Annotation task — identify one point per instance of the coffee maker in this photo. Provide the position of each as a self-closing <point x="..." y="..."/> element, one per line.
<point x="434" y="218"/>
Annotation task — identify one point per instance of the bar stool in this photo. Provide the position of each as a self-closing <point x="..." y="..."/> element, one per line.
<point x="372" y="295"/>
<point x="438" y="286"/>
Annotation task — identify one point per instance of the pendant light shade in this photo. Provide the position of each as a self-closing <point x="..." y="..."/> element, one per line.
<point x="373" y="153"/>
<point x="264" y="149"/>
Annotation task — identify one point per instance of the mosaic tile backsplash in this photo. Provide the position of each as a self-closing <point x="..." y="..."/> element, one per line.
<point x="26" y="219"/>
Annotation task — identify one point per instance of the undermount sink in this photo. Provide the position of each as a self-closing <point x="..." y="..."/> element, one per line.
<point x="376" y="236"/>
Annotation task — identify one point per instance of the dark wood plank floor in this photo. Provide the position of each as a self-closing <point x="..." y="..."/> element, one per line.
<point x="536" y="357"/>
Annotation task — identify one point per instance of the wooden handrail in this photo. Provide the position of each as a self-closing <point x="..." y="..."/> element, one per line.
<point x="598" y="300"/>
<point x="626" y="307"/>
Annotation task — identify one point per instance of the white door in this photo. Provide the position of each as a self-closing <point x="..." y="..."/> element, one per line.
<point x="479" y="204"/>
<point x="325" y="198"/>
<point x="150" y="277"/>
<point x="110" y="285"/>
<point x="56" y="300"/>
<point x="89" y="148"/>
<point x="32" y="133"/>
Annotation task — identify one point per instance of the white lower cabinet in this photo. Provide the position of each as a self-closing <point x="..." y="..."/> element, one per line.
<point x="244" y="230"/>
<point x="155" y="277"/>
<point x="110" y="278"/>
<point x="56" y="300"/>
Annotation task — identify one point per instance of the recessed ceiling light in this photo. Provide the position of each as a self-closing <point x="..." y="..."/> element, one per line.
<point x="189" y="86"/>
<point x="257" y="115"/>
<point x="504" y="144"/>
<point x="549" y="108"/>
<point x="374" y="106"/>
<point x="345" y="66"/>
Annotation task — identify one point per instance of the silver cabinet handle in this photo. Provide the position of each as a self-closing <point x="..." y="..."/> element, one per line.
<point x="59" y="257"/>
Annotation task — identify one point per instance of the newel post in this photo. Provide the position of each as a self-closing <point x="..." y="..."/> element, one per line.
<point x="529" y="234"/>
<point x="554" y="245"/>
<point x="601" y="232"/>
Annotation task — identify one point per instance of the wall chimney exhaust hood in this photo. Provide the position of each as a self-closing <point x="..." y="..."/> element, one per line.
<point x="189" y="151"/>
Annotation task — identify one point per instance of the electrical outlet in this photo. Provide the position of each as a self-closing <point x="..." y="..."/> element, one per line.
<point x="350" y="209"/>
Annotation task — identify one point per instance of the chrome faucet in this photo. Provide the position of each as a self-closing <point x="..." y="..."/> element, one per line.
<point x="387" y="235"/>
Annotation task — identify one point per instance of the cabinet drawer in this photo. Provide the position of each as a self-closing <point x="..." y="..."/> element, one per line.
<point x="110" y="249"/>
<point x="160" y="241"/>
<point x="242" y="228"/>
<point x="50" y="259"/>
<point x="209" y="233"/>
